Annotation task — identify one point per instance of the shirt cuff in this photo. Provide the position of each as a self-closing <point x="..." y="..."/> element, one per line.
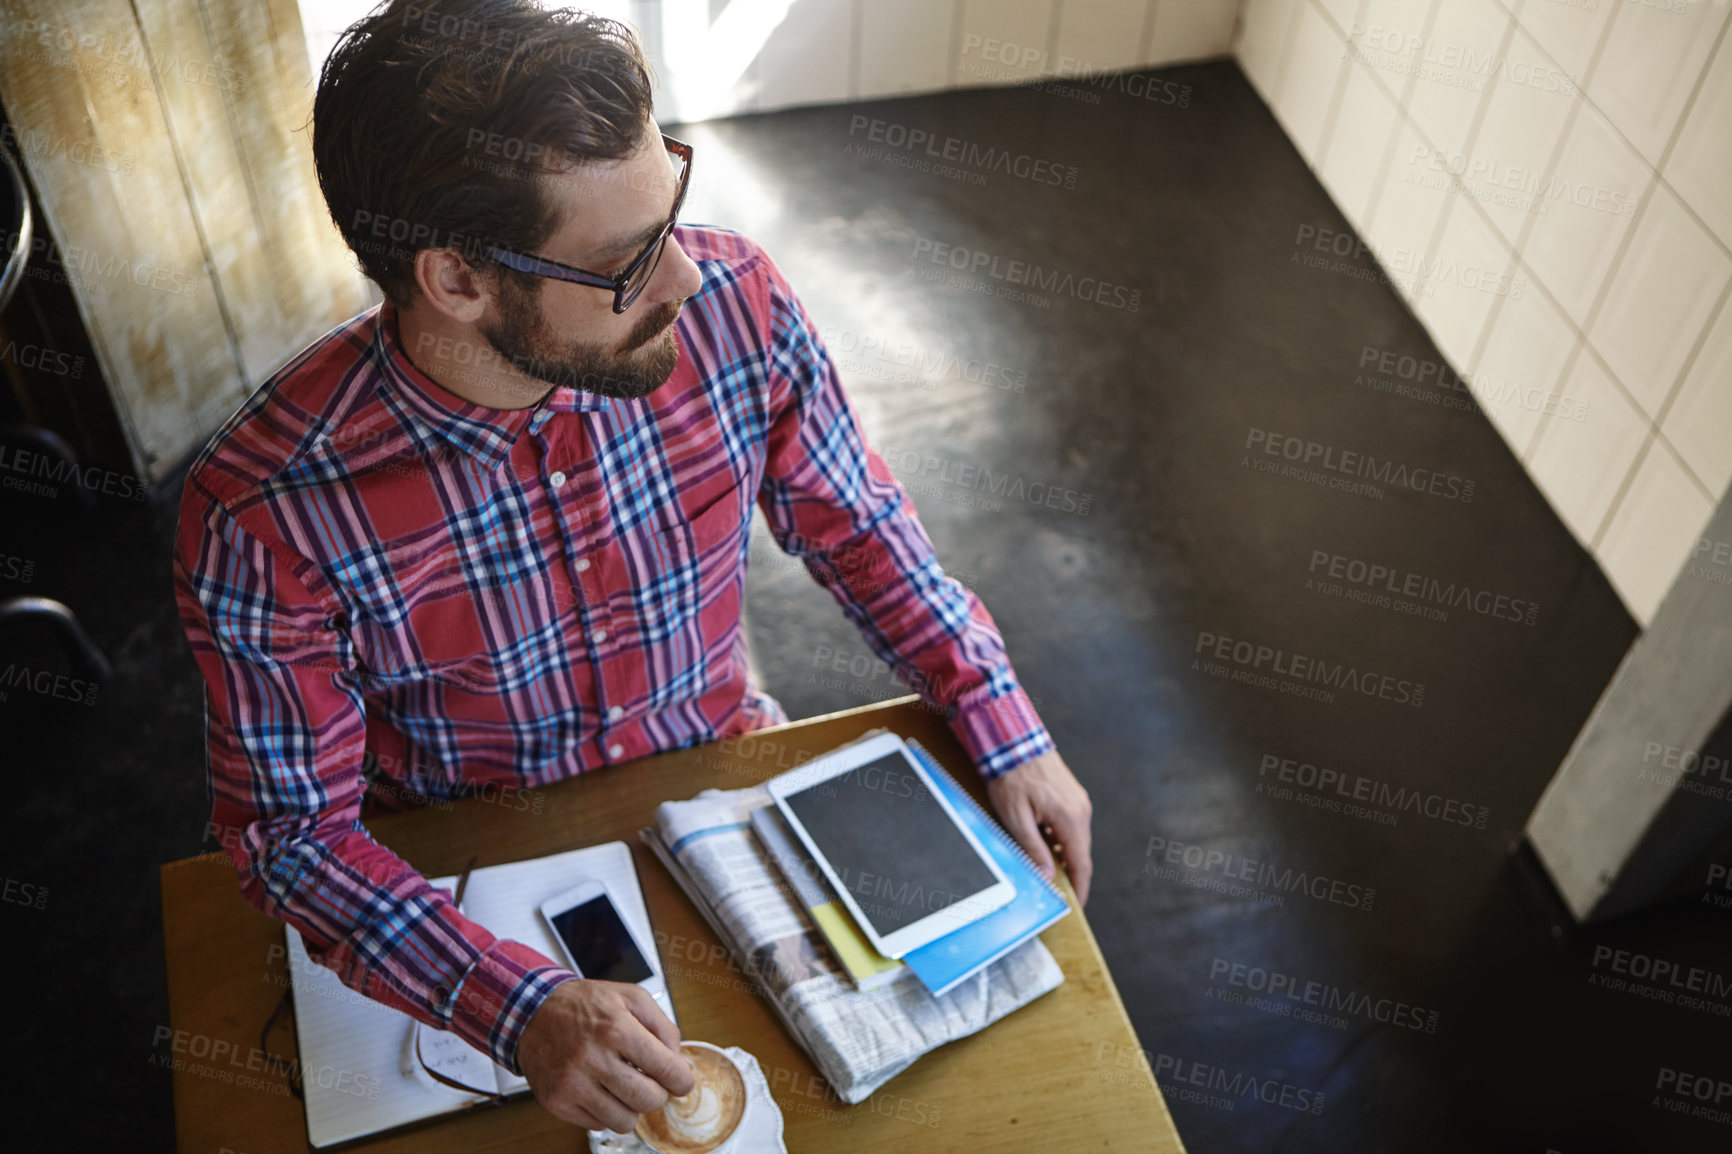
<point x="1001" y="733"/>
<point x="501" y="992"/>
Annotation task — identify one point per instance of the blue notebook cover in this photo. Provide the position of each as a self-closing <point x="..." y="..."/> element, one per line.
<point x="949" y="960"/>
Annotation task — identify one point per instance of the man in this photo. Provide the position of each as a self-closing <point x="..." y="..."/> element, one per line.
<point x="493" y="533"/>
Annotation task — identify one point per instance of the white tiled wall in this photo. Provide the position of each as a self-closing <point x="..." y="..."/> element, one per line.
<point x="722" y="57"/>
<point x="1583" y="150"/>
<point x="816" y="51"/>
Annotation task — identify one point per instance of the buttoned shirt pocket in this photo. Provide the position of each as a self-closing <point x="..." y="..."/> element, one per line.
<point x="720" y="520"/>
<point x="708" y="541"/>
<point x="690" y="595"/>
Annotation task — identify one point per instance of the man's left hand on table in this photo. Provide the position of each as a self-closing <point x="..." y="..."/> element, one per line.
<point x="1040" y="793"/>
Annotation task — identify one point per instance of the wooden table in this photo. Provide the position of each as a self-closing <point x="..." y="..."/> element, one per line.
<point x="1063" y="1073"/>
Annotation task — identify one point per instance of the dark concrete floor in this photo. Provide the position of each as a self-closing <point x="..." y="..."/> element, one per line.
<point x="1464" y="1016"/>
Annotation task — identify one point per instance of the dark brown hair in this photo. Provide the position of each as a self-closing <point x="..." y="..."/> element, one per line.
<point x="434" y="119"/>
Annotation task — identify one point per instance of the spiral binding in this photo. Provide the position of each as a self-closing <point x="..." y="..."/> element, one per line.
<point x="931" y="763"/>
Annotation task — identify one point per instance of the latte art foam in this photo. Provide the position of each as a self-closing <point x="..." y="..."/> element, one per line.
<point x="703" y="1120"/>
<point x="697" y="1117"/>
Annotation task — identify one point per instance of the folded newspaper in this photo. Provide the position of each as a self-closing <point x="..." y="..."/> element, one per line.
<point x="859" y="1040"/>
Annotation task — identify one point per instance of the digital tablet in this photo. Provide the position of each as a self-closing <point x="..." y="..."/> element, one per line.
<point x="892" y="847"/>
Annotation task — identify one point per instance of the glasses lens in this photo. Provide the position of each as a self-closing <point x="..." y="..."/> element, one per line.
<point x="634" y="287"/>
<point x="640" y="276"/>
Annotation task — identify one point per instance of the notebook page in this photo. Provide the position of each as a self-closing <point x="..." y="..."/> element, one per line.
<point x="507" y="900"/>
<point x="357" y="1058"/>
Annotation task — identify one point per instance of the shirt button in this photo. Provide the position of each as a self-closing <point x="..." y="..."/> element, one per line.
<point x="557" y="480"/>
<point x="616" y="751"/>
<point x="598" y="636"/>
<point x="616" y="713"/>
<point x="583" y="564"/>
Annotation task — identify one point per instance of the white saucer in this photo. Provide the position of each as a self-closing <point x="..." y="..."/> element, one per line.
<point x="760" y="1133"/>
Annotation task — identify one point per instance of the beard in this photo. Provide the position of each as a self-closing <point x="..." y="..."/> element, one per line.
<point x="641" y="364"/>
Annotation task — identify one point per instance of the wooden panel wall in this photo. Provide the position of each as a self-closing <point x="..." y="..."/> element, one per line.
<point x="168" y="144"/>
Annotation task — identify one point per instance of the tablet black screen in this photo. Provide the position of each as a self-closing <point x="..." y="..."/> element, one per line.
<point x="890" y="842"/>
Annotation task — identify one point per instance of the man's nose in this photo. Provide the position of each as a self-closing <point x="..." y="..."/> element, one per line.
<point x="678" y="277"/>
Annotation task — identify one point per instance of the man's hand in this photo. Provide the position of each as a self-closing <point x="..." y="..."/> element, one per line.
<point x="579" y="1050"/>
<point x="1044" y="792"/>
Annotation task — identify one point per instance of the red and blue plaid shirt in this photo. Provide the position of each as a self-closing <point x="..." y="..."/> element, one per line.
<point x="370" y="568"/>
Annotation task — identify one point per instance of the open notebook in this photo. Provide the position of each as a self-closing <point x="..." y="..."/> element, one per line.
<point x="357" y="1057"/>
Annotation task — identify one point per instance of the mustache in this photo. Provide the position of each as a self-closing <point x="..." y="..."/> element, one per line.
<point x="651" y="326"/>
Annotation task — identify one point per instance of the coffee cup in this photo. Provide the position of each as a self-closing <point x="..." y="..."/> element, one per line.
<point x="707" y="1120"/>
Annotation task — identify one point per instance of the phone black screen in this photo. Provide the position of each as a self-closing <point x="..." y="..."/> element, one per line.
<point x="599" y="943"/>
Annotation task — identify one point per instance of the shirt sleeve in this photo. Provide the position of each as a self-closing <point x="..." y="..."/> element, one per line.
<point x="285" y="734"/>
<point x="832" y="501"/>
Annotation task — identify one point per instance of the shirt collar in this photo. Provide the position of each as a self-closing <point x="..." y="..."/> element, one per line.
<point x="485" y="434"/>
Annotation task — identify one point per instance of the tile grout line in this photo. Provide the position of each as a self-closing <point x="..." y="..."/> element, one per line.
<point x="1695" y="92"/>
<point x="1624" y="487"/>
<point x="1450" y="204"/>
<point x="1720" y="309"/>
<point x="1332" y="114"/>
<point x="1146" y="36"/>
<point x="953" y="61"/>
<point x="1678" y="132"/>
<point x="1578" y="335"/>
<point x="856" y="33"/>
<point x="1283" y="55"/>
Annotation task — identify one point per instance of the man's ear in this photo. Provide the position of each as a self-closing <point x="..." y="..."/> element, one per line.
<point x="451" y="286"/>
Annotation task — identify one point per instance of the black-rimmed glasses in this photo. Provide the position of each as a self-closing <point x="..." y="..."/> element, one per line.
<point x="285" y="1006"/>
<point x="629" y="284"/>
<point x="492" y="1095"/>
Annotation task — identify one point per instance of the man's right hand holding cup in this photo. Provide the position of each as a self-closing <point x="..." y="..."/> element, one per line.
<point x="598" y="1054"/>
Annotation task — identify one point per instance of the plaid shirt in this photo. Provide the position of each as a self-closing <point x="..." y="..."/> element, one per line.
<point x="371" y="569"/>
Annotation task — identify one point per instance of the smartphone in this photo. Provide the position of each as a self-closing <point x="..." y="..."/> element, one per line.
<point x="600" y="944"/>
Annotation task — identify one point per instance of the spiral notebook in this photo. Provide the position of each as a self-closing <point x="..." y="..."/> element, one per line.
<point x="956" y="956"/>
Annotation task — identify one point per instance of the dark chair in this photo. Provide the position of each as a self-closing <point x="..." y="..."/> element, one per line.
<point x="19" y="221"/>
<point x="16" y="215"/>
